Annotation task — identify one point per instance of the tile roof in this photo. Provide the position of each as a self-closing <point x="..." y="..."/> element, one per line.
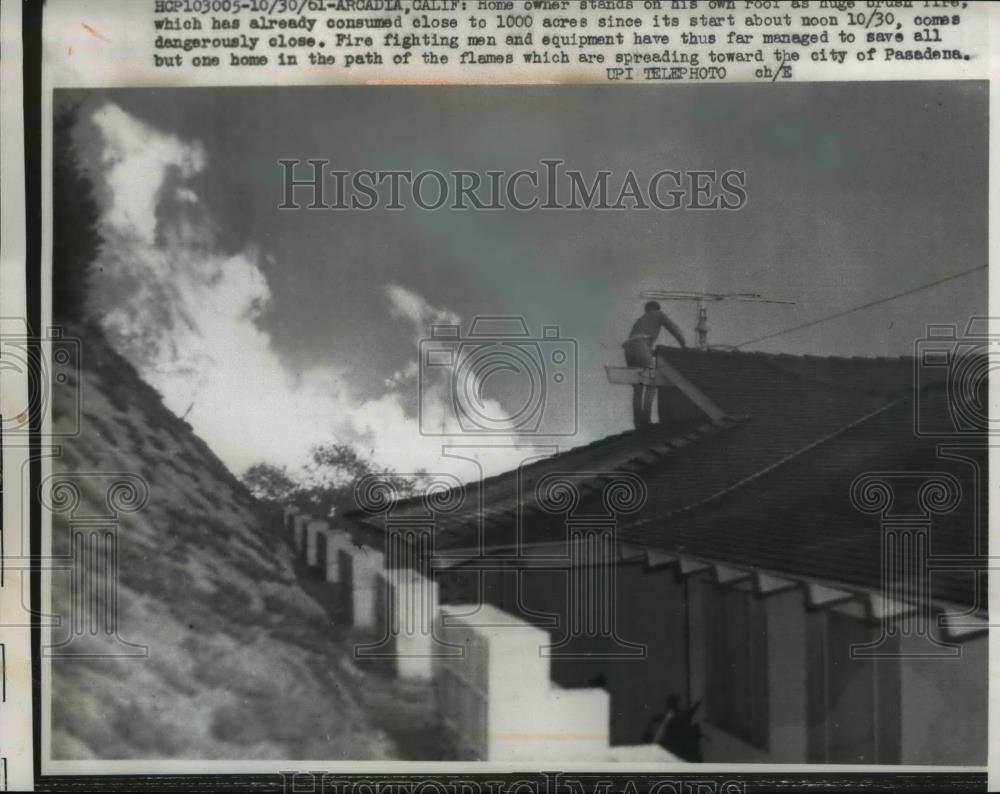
<point x="767" y="486"/>
<point x="799" y="519"/>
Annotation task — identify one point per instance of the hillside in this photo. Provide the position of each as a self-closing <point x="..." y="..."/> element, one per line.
<point x="242" y="662"/>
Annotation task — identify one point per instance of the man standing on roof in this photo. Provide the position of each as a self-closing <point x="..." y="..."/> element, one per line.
<point x="639" y="353"/>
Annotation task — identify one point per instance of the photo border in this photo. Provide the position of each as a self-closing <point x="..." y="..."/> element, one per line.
<point x="771" y="780"/>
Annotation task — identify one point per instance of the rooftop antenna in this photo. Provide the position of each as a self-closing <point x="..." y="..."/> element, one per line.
<point x="701" y="298"/>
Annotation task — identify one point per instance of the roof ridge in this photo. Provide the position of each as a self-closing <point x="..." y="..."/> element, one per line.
<point x="670" y="443"/>
<point x="525" y="466"/>
<point x="765" y="353"/>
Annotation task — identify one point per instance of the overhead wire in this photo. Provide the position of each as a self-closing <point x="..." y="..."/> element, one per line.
<point x="861" y="307"/>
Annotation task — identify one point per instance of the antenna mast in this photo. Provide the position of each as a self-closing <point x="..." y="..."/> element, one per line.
<point x="701" y="298"/>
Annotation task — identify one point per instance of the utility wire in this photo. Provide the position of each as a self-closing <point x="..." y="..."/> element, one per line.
<point x="863" y="306"/>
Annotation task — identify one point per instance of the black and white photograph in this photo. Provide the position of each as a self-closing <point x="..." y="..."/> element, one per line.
<point x="537" y="425"/>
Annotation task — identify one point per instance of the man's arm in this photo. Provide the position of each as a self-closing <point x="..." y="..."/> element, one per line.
<point x="673" y="328"/>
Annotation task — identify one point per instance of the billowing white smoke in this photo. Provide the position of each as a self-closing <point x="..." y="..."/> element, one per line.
<point x="185" y="314"/>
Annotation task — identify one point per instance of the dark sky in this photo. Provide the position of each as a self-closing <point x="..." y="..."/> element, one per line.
<point x="856" y="191"/>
